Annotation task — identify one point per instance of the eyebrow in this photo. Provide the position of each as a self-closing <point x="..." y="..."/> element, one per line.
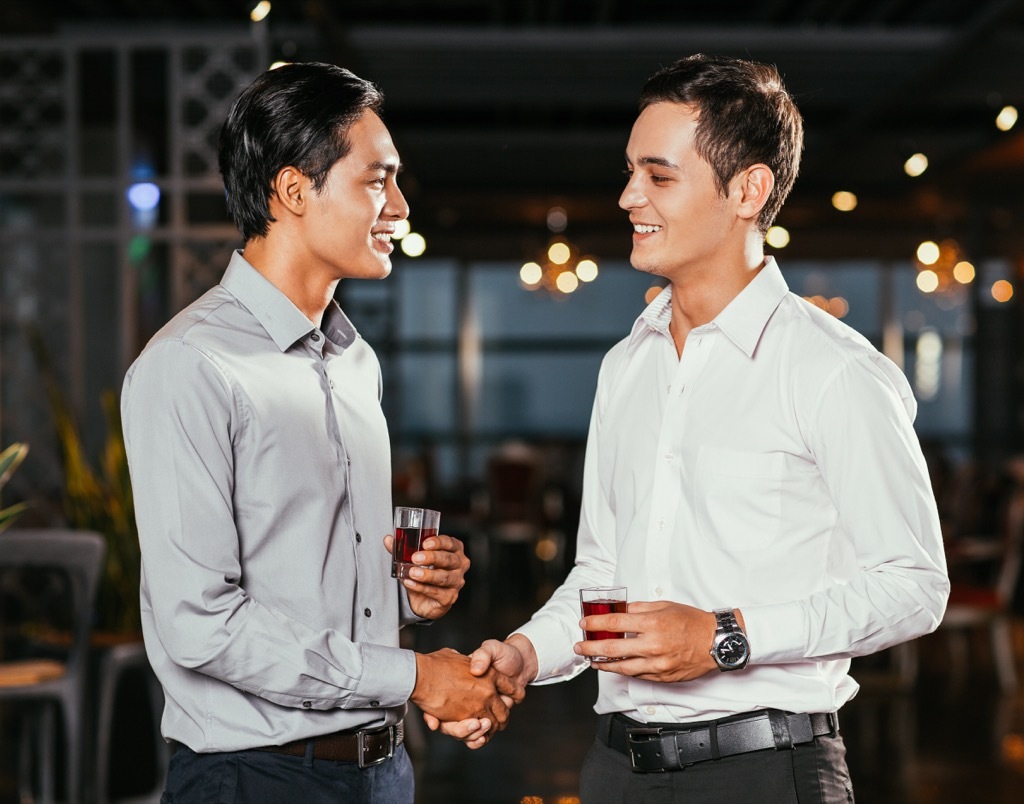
<point x="387" y="167"/>
<point x="656" y="160"/>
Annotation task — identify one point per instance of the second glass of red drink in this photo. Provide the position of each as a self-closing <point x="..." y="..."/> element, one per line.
<point x="413" y="526"/>
<point x="603" y="600"/>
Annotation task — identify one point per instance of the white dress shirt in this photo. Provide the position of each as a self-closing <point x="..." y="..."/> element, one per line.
<point x="261" y="469"/>
<point x="772" y="467"/>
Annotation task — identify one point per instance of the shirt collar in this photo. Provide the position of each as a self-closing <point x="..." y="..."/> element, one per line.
<point x="742" y="321"/>
<point x="281" y="319"/>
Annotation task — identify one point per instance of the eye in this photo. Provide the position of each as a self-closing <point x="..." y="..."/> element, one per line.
<point x="379" y="181"/>
<point x="659" y="179"/>
<point x="628" y="173"/>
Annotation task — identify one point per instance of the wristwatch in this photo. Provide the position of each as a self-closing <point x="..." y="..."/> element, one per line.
<point x="730" y="650"/>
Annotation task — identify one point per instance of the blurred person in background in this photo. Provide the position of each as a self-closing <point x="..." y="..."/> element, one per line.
<point x="752" y="476"/>
<point x="260" y="462"/>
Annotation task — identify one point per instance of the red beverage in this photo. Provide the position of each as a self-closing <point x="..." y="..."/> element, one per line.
<point x="604" y="606"/>
<point x="407" y="542"/>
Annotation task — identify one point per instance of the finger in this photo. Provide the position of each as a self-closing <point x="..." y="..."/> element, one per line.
<point x="480" y="659"/>
<point x="431" y="721"/>
<point x="437" y="576"/>
<point x="389" y="542"/>
<point x="507" y="687"/>
<point x="478" y="743"/>
<point x="618" y="648"/>
<point x="465" y="729"/>
<point x="444" y="543"/>
<point x="623" y="623"/>
<point x="641" y="606"/>
<point x="439" y="559"/>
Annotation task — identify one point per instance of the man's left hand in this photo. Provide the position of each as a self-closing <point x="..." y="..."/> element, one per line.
<point x="438" y="576"/>
<point x="672" y="641"/>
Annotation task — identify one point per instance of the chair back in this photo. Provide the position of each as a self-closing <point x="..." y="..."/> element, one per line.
<point x="78" y="554"/>
<point x="1010" y="569"/>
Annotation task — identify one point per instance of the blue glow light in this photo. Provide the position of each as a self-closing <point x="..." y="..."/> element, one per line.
<point x="144" y="196"/>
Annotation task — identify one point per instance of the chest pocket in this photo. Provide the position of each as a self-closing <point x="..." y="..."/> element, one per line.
<point x="738" y="498"/>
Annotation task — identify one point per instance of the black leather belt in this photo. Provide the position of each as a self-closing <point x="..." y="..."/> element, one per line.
<point x="673" y="746"/>
<point x="367" y="747"/>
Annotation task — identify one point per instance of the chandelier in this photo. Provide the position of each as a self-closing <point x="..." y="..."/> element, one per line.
<point x="561" y="268"/>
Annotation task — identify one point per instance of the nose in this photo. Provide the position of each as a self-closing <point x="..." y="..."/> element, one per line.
<point x="631" y="197"/>
<point x="396" y="207"/>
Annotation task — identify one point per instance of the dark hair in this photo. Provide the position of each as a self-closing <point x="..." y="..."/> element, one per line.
<point x="745" y="117"/>
<point x="297" y="115"/>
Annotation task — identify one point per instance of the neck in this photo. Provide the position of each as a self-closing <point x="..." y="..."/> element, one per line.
<point x="702" y="292"/>
<point x="309" y="290"/>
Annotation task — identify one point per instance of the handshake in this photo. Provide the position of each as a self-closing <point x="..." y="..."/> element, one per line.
<point x="470" y="697"/>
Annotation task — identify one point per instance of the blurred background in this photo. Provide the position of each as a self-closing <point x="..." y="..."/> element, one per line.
<point x="513" y="281"/>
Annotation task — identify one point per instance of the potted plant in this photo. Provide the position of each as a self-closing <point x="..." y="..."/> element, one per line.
<point x="10" y="459"/>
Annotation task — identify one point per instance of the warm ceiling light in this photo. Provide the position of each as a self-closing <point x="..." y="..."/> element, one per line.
<point x="963" y="272"/>
<point x="586" y="270"/>
<point x="927" y="281"/>
<point x="916" y="165"/>
<point x="413" y="244"/>
<point x="1002" y="291"/>
<point x="402" y="228"/>
<point x="557" y="220"/>
<point x="260" y="11"/>
<point x="777" y="237"/>
<point x="559" y="253"/>
<point x="567" y="282"/>
<point x="1007" y="118"/>
<point x="530" y="273"/>
<point x="844" y="201"/>
<point x="928" y="253"/>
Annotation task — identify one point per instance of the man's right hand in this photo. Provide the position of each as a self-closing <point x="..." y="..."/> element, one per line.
<point x="447" y="690"/>
<point x="514" y="659"/>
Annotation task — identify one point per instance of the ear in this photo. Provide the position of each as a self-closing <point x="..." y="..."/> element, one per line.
<point x="753" y="186"/>
<point x="290" y="190"/>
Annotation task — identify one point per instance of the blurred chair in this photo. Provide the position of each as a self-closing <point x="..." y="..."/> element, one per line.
<point x="512" y="510"/>
<point x="42" y="684"/>
<point x="977" y="604"/>
<point x="118" y="660"/>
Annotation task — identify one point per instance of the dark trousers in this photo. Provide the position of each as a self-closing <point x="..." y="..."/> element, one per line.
<point x="259" y="777"/>
<point x="813" y="773"/>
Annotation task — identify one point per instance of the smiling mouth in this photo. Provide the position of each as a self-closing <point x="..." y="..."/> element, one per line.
<point x="382" y="241"/>
<point x="645" y="228"/>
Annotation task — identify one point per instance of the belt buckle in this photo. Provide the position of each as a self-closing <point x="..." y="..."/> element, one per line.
<point x="642" y="734"/>
<point x="361" y="748"/>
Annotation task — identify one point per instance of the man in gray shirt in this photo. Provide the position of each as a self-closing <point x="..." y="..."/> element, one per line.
<point x="260" y="463"/>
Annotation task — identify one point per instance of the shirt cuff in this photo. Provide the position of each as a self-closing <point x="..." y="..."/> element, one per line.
<point x="777" y="632"/>
<point x="387" y="679"/>
<point x="553" y="664"/>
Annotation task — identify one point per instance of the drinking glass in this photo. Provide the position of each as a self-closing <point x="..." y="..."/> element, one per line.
<point x="412" y="527"/>
<point x="603" y="600"/>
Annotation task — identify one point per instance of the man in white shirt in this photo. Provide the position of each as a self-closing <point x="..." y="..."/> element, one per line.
<point x="752" y="476"/>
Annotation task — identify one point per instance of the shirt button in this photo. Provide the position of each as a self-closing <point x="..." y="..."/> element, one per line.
<point x="331" y="383"/>
<point x="367" y="612"/>
<point x="359" y="537"/>
<point x="661" y="524"/>
<point x="658" y="590"/>
<point x="307" y="704"/>
<point x="668" y="457"/>
<point x="374" y="703"/>
<point x="314" y="337"/>
<point x="651" y="710"/>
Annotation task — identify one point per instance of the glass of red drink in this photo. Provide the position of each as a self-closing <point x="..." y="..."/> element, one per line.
<point x="603" y="600"/>
<point x="412" y="527"/>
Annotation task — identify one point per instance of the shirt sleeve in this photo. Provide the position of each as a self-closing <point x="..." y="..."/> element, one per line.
<point x="180" y="417"/>
<point x="860" y="431"/>
<point x="554" y="629"/>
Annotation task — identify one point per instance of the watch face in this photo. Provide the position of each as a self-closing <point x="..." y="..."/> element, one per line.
<point x="732" y="650"/>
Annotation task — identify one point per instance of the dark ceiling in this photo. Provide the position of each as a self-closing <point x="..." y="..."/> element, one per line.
<point x="502" y="109"/>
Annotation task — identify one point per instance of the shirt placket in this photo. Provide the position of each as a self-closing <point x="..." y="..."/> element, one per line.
<point x="667" y="485"/>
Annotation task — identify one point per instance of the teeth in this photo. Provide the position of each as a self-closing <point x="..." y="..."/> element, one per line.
<point x="643" y="228"/>
<point x="383" y="237"/>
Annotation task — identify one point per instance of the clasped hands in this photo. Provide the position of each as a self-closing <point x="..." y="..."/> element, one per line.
<point x="671" y="643"/>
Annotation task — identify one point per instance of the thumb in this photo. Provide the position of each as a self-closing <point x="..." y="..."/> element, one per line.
<point x="480" y="661"/>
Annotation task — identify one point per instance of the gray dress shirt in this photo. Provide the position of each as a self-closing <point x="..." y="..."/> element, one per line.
<point x="261" y="468"/>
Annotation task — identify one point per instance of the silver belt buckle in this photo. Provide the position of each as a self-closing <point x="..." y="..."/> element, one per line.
<point x="641" y="735"/>
<point x="361" y="745"/>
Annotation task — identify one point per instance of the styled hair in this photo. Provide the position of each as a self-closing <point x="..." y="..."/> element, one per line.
<point x="745" y="116"/>
<point x="296" y="115"/>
